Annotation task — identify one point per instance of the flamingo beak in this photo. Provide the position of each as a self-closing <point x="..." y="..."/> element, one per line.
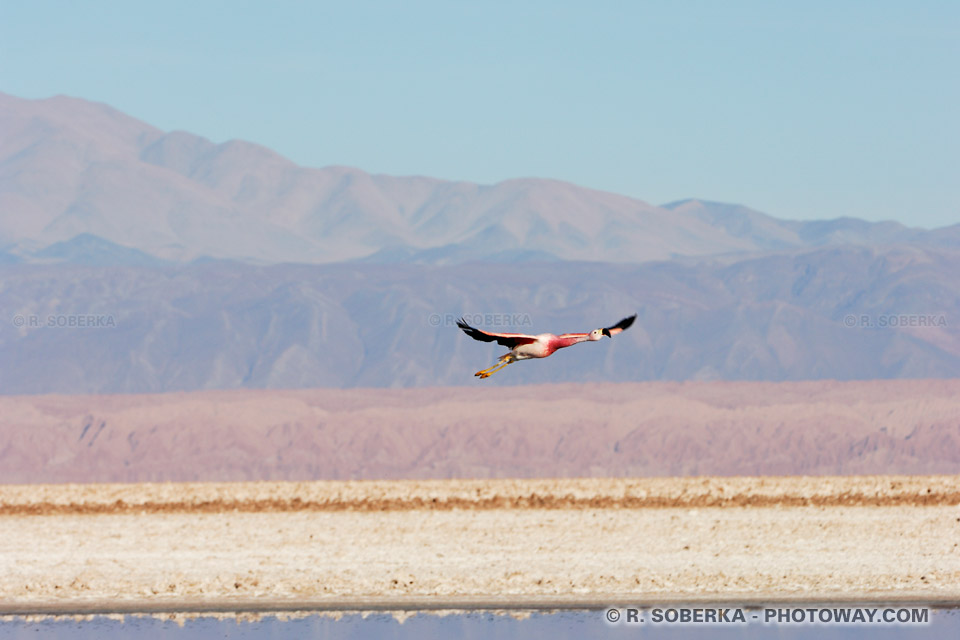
<point x="606" y="333"/>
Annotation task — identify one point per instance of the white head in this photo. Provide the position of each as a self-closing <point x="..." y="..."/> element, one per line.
<point x="597" y="334"/>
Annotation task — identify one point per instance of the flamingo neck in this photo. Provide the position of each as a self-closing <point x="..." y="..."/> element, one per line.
<point x="566" y="342"/>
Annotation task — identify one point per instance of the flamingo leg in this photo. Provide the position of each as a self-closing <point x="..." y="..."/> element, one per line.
<point x="504" y="361"/>
<point x="483" y="372"/>
<point x="493" y="370"/>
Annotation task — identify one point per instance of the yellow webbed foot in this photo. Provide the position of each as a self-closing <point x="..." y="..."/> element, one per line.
<point x="486" y="373"/>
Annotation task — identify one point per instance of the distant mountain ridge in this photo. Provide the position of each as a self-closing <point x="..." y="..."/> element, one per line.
<point x="74" y="169"/>
<point x="839" y="313"/>
<point x="552" y="431"/>
<point x="134" y="260"/>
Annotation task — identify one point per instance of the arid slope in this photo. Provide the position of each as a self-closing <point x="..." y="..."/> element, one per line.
<point x="548" y="431"/>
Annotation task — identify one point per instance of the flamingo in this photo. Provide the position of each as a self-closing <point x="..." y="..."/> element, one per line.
<point x="523" y="347"/>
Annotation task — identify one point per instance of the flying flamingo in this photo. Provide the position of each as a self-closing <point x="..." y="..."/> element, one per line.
<point x="523" y="347"/>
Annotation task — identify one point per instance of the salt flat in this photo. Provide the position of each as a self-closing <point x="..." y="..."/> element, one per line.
<point x="76" y="548"/>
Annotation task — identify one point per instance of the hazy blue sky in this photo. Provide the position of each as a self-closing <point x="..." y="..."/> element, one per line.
<point x="806" y="110"/>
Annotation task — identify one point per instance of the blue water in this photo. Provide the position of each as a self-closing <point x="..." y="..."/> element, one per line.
<point x="480" y="625"/>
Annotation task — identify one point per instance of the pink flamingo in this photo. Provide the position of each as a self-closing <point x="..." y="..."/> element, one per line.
<point x="523" y="347"/>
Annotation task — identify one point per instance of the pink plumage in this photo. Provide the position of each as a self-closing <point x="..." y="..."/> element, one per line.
<point x="524" y="347"/>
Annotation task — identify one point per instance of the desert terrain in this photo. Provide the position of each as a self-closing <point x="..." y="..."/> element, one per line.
<point x="552" y="431"/>
<point x="482" y="543"/>
<point x="550" y="496"/>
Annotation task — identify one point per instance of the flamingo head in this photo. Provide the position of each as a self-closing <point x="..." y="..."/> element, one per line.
<point x="597" y="334"/>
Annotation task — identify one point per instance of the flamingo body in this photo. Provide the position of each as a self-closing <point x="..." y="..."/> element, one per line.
<point x="525" y="347"/>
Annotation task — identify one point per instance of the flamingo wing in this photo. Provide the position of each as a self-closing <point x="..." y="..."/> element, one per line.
<point x="621" y="326"/>
<point x="509" y="340"/>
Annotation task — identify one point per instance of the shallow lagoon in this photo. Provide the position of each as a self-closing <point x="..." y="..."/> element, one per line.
<point x="943" y="623"/>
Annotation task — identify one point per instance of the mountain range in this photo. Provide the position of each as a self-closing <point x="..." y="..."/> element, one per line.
<point x="183" y="264"/>
<point x="837" y="312"/>
<point x="566" y="430"/>
<point x="74" y="173"/>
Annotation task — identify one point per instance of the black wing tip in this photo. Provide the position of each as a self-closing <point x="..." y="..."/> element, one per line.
<point x="474" y="333"/>
<point x="625" y="323"/>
